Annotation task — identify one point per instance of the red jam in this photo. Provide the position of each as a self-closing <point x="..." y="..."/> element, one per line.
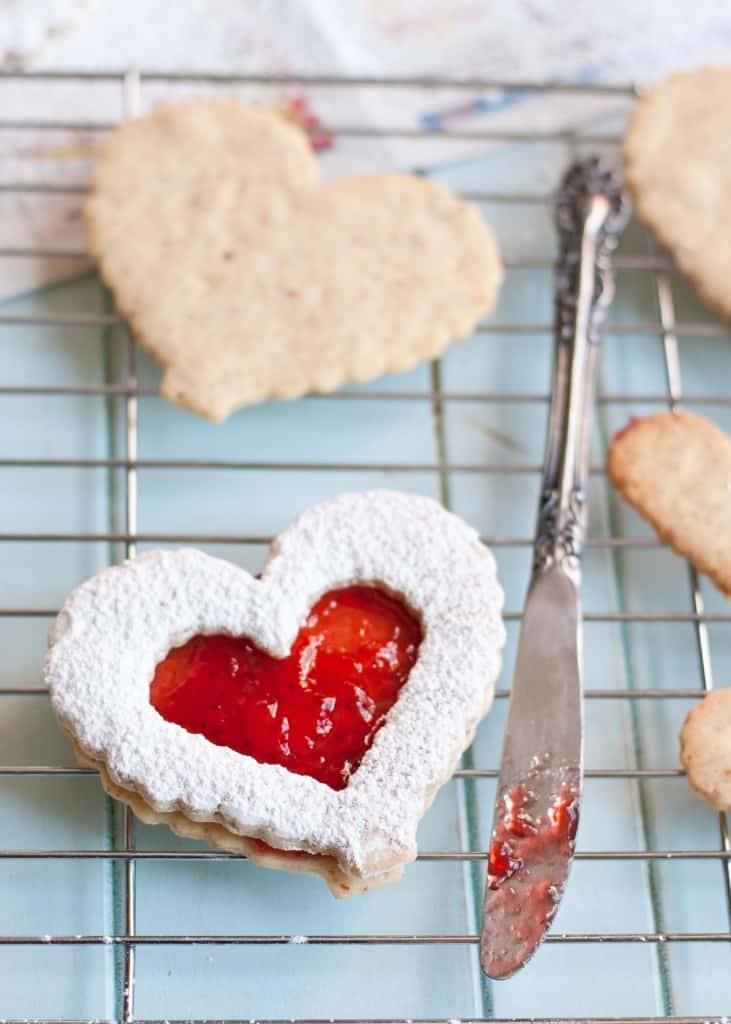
<point x="520" y="839"/>
<point x="527" y="867"/>
<point x="299" y="111"/>
<point x="315" y="712"/>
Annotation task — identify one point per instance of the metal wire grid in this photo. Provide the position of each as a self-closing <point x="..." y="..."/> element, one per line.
<point x="666" y="327"/>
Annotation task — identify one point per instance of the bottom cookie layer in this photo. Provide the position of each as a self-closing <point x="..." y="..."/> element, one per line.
<point x="339" y="882"/>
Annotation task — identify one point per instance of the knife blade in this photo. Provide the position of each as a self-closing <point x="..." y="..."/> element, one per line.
<point x="539" y="789"/>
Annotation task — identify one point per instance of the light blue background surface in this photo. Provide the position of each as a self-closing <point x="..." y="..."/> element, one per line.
<point x="182" y="898"/>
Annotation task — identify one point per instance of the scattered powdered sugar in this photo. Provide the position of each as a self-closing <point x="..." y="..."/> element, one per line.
<point x="298" y="940"/>
<point x="115" y="628"/>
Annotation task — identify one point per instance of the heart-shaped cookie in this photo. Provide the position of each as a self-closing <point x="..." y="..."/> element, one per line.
<point x="398" y="599"/>
<point x="677" y="156"/>
<point x="248" y="280"/>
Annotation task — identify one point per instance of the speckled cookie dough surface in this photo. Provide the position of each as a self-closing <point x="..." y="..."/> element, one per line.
<point x="677" y="153"/>
<point x="249" y="280"/>
<point x="705" y="748"/>
<point x="675" y="469"/>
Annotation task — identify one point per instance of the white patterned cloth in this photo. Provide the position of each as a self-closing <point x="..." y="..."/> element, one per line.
<point x="580" y="40"/>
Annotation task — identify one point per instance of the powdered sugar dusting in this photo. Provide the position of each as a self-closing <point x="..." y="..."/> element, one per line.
<point x="115" y="628"/>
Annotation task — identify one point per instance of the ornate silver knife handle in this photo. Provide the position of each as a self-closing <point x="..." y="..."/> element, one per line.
<point x="591" y="211"/>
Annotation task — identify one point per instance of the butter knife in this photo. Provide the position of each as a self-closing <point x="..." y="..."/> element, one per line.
<point x="537" y="805"/>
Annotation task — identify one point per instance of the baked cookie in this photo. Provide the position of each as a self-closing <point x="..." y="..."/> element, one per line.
<point x="249" y="280"/>
<point x="305" y="718"/>
<point x="677" y="153"/>
<point x="705" y="748"/>
<point x="675" y="468"/>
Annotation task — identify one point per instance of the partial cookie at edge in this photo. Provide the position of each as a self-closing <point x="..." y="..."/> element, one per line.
<point x="705" y="748"/>
<point x="675" y="469"/>
<point x="677" y="156"/>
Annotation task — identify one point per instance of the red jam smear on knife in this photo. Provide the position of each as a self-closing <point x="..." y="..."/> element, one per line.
<point x="523" y="851"/>
<point x="316" y="711"/>
<point x="520" y="839"/>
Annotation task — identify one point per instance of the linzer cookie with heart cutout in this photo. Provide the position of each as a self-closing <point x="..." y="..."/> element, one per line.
<point x="305" y="718"/>
<point x="248" y="279"/>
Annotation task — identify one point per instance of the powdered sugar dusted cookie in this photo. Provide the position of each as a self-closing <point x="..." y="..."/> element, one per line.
<point x="705" y="748"/>
<point x="675" y="468"/>
<point x="249" y="280"/>
<point x="305" y="718"/>
<point x="677" y="153"/>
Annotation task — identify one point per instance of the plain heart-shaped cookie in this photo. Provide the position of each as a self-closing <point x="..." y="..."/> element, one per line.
<point x="117" y="629"/>
<point x="677" y="156"/>
<point x="249" y="280"/>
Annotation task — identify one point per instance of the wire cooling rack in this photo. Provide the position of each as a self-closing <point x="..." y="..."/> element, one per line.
<point x="123" y="391"/>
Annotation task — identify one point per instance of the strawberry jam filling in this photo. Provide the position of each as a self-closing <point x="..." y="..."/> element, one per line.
<point x="316" y="711"/>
